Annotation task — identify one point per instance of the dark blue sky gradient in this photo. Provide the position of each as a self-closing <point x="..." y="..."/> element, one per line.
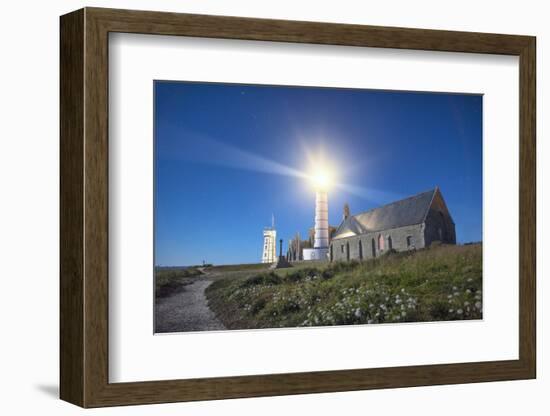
<point x="216" y="144"/>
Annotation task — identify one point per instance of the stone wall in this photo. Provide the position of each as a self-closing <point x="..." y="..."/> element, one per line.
<point x="361" y="246"/>
<point x="439" y="224"/>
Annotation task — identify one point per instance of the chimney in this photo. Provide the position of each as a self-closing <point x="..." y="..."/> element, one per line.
<point x="346" y="211"/>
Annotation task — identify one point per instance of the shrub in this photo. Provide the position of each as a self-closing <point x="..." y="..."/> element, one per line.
<point x="327" y="274"/>
<point x="258" y="305"/>
<point x="302" y="274"/>
<point x="439" y="310"/>
<point x="268" y="279"/>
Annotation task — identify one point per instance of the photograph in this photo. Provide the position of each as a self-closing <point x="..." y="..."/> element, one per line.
<point x="283" y="206"/>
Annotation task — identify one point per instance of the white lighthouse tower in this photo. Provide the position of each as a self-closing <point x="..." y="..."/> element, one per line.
<point x="321" y="239"/>
<point x="321" y="220"/>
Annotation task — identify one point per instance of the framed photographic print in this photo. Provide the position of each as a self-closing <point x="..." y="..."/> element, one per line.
<point x="262" y="207"/>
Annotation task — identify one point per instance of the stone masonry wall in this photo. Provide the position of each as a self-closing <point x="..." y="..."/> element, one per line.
<point x="339" y="248"/>
<point x="439" y="226"/>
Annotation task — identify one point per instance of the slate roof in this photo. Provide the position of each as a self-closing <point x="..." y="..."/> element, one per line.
<point x="408" y="211"/>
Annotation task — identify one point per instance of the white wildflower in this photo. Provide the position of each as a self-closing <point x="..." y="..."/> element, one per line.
<point x="459" y="311"/>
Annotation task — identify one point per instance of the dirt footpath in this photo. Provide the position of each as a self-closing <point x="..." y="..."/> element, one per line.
<point x="186" y="310"/>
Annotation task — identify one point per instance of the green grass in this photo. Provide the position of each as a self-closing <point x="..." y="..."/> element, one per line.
<point x="171" y="279"/>
<point x="435" y="284"/>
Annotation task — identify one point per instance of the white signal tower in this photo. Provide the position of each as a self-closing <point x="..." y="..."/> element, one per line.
<point x="270" y="243"/>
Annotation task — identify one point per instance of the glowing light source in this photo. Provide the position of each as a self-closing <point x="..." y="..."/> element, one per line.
<point x="321" y="178"/>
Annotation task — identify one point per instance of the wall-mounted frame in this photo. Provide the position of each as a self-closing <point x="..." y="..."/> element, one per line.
<point x="84" y="308"/>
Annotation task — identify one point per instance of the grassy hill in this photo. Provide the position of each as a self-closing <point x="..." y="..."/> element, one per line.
<point x="435" y="284"/>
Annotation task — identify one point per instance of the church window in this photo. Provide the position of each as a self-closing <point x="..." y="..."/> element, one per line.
<point x="390" y="243"/>
<point x="409" y="241"/>
<point x="380" y="242"/>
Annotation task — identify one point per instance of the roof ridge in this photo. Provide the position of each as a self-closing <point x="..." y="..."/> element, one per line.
<point x="395" y="202"/>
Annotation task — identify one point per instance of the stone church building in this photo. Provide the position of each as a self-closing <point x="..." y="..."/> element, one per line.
<point x="408" y="224"/>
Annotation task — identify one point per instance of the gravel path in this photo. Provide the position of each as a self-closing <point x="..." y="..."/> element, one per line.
<point x="186" y="311"/>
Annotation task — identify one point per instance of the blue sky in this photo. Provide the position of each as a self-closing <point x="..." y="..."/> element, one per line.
<point x="228" y="156"/>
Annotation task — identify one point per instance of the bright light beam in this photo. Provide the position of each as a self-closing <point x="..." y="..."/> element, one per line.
<point x="370" y="194"/>
<point x="211" y="151"/>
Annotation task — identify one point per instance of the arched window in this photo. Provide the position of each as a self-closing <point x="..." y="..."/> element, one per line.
<point x="347" y="251"/>
<point x="360" y="250"/>
<point x="331" y="254"/>
<point x="390" y="243"/>
<point x="380" y="242"/>
<point x="373" y="247"/>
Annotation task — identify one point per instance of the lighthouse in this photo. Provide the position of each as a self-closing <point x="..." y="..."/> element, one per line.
<point x="320" y="248"/>
<point x="321" y="220"/>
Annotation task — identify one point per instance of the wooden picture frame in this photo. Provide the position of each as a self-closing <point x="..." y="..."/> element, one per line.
<point x="84" y="207"/>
